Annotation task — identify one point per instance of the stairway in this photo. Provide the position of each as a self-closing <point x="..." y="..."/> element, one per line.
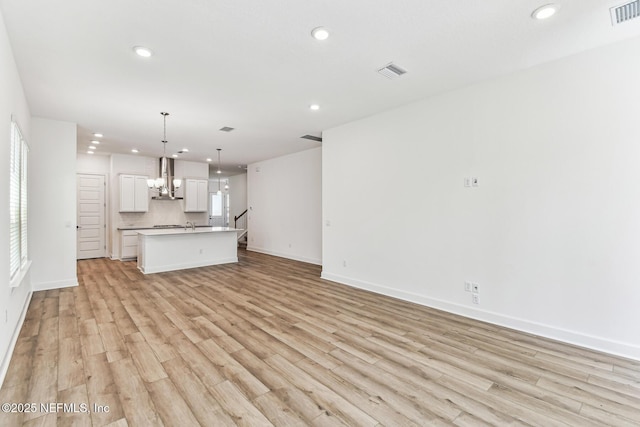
<point x="240" y="222"/>
<point x="243" y="239"/>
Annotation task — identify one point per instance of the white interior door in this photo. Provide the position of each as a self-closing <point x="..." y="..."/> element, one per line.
<point x="91" y="216"/>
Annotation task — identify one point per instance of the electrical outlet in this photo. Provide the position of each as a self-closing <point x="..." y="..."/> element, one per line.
<point x="474" y="181"/>
<point x="475" y="298"/>
<point x="467" y="286"/>
<point x="475" y="288"/>
<point x="467" y="181"/>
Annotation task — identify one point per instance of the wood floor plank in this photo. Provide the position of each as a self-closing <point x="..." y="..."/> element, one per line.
<point x="276" y="411"/>
<point x="70" y="366"/>
<point x="102" y="390"/>
<point x="148" y="365"/>
<point x="43" y="382"/>
<point x="267" y="342"/>
<point x="136" y="403"/>
<point x="204" y="407"/>
<point x="21" y="364"/>
<point x="13" y="394"/>
<point x="232" y="370"/>
<point x="297" y="401"/>
<point x="172" y="408"/>
<point x="368" y="400"/>
<point x="78" y="411"/>
<point x="238" y="406"/>
<point x="332" y="403"/>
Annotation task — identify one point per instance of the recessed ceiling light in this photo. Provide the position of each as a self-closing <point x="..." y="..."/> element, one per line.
<point x="185" y="150"/>
<point x="89" y="152"/>
<point x="134" y="150"/>
<point x="320" y="33"/>
<point x="93" y="141"/>
<point x="314" y="107"/>
<point x="208" y="160"/>
<point x="544" y="12"/>
<point x="98" y="135"/>
<point x="92" y="147"/>
<point x="218" y="171"/>
<point x="175" y="156"/>
<point x="142" y="51"/>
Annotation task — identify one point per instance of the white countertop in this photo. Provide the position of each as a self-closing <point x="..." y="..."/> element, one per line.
<point x="198" y="230"/>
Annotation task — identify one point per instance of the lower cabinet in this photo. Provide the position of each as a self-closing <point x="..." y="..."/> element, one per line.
<point x="129" y="244"/>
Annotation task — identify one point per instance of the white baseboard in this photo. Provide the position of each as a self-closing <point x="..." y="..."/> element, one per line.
<point x="285" y="255"/>
<point x="14" y="339"/>
<point x="58" y="284"/>
<point x="606" y="345"/>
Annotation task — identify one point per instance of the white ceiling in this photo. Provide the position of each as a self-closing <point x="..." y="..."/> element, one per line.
<point x="253" y="65"/>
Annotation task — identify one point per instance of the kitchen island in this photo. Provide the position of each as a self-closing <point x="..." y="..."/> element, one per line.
<point x="180" y="248"/>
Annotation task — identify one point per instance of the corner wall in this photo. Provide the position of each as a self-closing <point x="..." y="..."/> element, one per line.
<point x="552" y="232"/>
<point x="237" y="196"/>
<point x="52" y="235"/>
<point x="13" y="301"/>
<point x="285" y="205"/>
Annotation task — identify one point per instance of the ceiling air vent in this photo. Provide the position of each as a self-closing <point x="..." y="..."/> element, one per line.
<point x="312" y="138"/>
<point x="226" y="129"/>
<point x="392" y="71"/>
<point x="625" y="12"/>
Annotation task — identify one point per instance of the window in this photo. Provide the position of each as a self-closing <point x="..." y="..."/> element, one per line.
<point x="18" y="254"/>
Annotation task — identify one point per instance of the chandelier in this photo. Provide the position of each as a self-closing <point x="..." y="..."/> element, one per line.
<point x="162" y="184"/>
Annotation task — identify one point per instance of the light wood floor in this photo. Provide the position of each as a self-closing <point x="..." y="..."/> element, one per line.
<point x="265" y="341"/>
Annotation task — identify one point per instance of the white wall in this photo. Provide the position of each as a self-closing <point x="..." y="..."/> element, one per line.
<point x="52" y="161"/>
<point x="237" y="196"/>
<point x="284" y="198"/>
<point x="552" y="234"/>
<point x="93" y="164"/>
<point x="13" y="301"/>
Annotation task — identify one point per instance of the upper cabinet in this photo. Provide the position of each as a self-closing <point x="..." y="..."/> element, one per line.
<point x="134" y="193"/>
<point x="196" y="194"/>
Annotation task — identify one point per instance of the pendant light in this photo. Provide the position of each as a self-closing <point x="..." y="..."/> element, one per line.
<point x="219" y="171"/>
<point x="161" y="184"/>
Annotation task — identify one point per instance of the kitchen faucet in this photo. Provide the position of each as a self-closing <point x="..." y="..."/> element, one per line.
<point x="192" y="225"/>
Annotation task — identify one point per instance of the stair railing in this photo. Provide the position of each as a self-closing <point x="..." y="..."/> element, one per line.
<point x="240" y="222"/>
<point x="243" y="220"/>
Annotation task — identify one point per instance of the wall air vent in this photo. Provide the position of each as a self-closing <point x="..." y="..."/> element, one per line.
<point x="625" y="12"/>
<point x="312" y="138"/>
<point x="392" y="71"/>
<point x="226" y="129"/>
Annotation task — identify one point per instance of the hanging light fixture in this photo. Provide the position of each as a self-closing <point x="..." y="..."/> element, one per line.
<point x="162" y="183"/>
<point x="219" y="171"/>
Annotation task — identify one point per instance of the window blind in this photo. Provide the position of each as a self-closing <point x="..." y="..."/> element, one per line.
<point x="23" y="204"/>
<point x="18" y="204"/>
<point x="14" y="201"/>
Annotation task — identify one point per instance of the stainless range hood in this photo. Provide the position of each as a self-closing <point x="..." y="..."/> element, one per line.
<point x="168" y="188"/>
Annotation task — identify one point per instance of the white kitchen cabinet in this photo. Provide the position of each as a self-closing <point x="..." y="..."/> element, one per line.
<point x="134" y="193"/>
<point x="129" y="244"/>
<point x="196" y="195"/>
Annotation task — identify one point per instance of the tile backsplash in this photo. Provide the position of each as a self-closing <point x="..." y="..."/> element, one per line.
<point x="161" y="212"/>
